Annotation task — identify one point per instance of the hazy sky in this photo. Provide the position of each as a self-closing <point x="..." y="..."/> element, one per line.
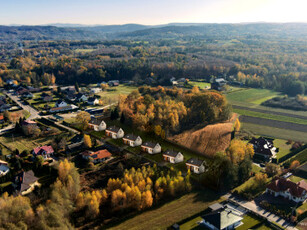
<point x="37" y="12"/>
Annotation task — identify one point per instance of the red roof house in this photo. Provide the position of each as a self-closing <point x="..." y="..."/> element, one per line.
<point x="45" y="151"/>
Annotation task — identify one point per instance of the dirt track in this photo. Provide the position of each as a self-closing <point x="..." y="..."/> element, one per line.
<point x="273" y="123"/>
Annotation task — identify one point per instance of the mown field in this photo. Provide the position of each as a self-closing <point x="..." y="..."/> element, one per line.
<point x="111" y="95"/>
<point x="166" y="215"/>
<point x="280" y="133"/>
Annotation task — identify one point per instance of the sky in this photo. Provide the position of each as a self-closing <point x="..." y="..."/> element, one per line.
<point x="107" y="12"/>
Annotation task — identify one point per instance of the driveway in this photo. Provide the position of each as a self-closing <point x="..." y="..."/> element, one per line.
<point x="252" y="206"/>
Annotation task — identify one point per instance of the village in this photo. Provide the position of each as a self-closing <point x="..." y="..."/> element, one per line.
<point x="43" y="126"/>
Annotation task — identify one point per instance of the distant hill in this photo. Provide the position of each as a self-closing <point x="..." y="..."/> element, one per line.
<point x="137" y="31"/>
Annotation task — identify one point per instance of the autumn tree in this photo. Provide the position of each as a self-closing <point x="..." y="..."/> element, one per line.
<point x="238" y="150"/>
<point x="158" y="130"/>
<point x="83" y="118"/>
<point x="294" y="164"/>
<point x="272" y="169"/>
<point x="237" y="125"/>
<point x="87" y="141"/>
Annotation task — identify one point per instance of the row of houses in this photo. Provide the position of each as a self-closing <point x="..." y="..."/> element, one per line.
<point x="171" y="156"/>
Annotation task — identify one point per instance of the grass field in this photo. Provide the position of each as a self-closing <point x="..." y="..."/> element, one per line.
<point x="255" y="96"/>
<point x="284" y="149"/>
<point x="285" y="134"/>
<point x="271" y="116"/>
<point x="296" y="179"/>
<point x="201" y="85"/>
<point x="112" y="94"/>
<point x="166" y="215"/>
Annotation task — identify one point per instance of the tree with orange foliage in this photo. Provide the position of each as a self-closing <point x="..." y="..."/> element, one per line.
<point x="294" y="164"/>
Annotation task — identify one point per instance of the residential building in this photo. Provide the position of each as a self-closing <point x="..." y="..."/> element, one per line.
<point x="93" y="101"/>
<point x="62" y="108"/>
<point x="113" y="83"/>
<point x="1" y="119"/>
<point x="61" y="103"/>
<point x="151" y="148"/>
<point x="95" y="90"/>
<point x="45" y="151"/>
<point x="219" y="84"/>
<point x="115" y="132"/>
<point x="25" y="182"/>
<point x="81" y="97"/>
<point x="132" y="140"/>
<point x="4" y="168"/>
<point x="98" y="156"/>
<point x="173" y="156"/>
<point x="47" y="98"/>
<point x="27" y="95"/>
<point x="222" y="219"/>
<point x="195" y="165"/>
<point x="283" y="187"/>
<point x="97" y="124"/>
<point x="264" y="148"/>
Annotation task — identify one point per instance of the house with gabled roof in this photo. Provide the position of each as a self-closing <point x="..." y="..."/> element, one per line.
<point x="98" y="156"/>
<point x="25" y="182"/>
<point x="61" y="103"/>
<point x="93" y="101"/>
<point x="283" y="187"/>
<point x="150" y="147"/>
<point x="195" y="165"/>
<point x="132" y="140"/>
<point x="97" y="124"/>
<point x="222" y="219"/>
<point x="264" y="148"/>
<point x="4" y="168"/>
<point x="81" y="97"/>
<point x="173" y="156"/>
<point x="45" y="151"/>
<point x="114" y="132"/>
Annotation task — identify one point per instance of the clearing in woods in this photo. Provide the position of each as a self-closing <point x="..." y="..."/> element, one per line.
<point x="208" y="140"/>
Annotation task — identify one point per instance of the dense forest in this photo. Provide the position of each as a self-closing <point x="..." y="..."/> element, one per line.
<point x="258" y="55"/>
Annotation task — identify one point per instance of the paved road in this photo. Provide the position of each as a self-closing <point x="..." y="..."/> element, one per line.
<point x="273" y="123"/>
<point x="33" y="112"/>
<point x="252" y="206"/>
<point x="269" y="112"/>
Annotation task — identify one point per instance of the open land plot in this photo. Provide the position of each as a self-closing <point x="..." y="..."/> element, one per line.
<point x="200" y="84"/>
<point x="269" y="131"/>
<point x="255" y="96"/>
<point x="112" y="93"/>
<point x="301" y="156"/>
<point x="166" y="215"/>
<point x="274" y="123"/>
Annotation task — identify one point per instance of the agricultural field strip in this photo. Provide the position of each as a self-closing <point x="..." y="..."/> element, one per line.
<point x="273" y="123"/>
<point x="237" y="107"/>
<point x="268" y="116"/>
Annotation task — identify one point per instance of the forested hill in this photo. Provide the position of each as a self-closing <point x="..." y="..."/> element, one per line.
<point x="171" y="31"/>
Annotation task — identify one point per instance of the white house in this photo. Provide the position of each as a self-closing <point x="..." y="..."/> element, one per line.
<point x="97" y="124"/>
<point x="4" y="168"/>
<point x="223" y="219"/>
<point x="195" y="165"/>
<point x="93" y="101"/>
<point x="151" y="148"/>
<point x="132" y="140"/>
<point x="81" y="97"/>
<point x="283" y="187"/>
<point x="95" y="90"/>
<point x="61" y="103"/>
<point x="115" y="132"/>
<point x="173" y="156"/>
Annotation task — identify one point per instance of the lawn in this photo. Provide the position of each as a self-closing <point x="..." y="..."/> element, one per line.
<point x="285" y="134"/>
<point x="249" y="222"/>
<point x="284" y="148"/>
<point x="111" y="95"/>
<point x="166" y="215"/>
<point x="254" y="96"/>
<point x="270" y="116"/>
<point x="201" y="85"/>
<point x="296" y="179"/>
<point x="256" y="168"/>
<point x="192" y="224"/>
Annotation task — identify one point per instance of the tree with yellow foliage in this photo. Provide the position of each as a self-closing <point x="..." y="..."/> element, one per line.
<point x="294" y="164"/>
<point x="87" y="140"/>
<point x="237" y="125"/>
<point x="237" y="151"/>
<point x="83" y="118"/>
<point x="158" y="130"/>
